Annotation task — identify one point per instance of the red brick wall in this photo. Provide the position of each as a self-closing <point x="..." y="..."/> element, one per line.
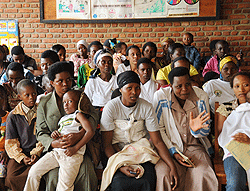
<point x="36" y="37"/>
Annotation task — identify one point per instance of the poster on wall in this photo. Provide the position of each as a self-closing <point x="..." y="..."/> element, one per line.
<point x="125" y="9"/>
<point x="9" y="33"/>
<point x="110" y="9"/>
<point x="182" y="8"/>
<point x="150" y="8"/>
<point x="75" y="9"/>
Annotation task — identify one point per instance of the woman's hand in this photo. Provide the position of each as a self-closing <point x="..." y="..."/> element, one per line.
<point x="165" y="156"/>
<point x="4" y="158"/>
<point x="126" y="170"/>
<point x="242" y="138"/>
<point x="174" y="178"/>
<point x="181" y="160"/>
<point x="57" y="143"/>
<point x="197" y="123"/>
<point x="70" y="139"/>
<point x="70" y="151"/>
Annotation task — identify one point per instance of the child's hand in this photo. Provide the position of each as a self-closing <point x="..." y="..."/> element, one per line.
<point x="4" y="158"/>
<point x="33" y="160"/>
<point x="71" y="151"/>
<point x="118" y="60"/>
<point x="26" y="161"/>
<point x="242" y="138"/>
<point x="55" y="134"/>
<point x="239" y="56"/>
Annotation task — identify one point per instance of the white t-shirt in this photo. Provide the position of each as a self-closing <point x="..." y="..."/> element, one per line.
<point x="98" y="91"/>
<point x="148" y="90"/>
<point x="68" y="124"/>
<point x="122" y="68"/>
<point x="141" y="117"/>
<point x="218" y="91"/>
<point x="115" y="110"/>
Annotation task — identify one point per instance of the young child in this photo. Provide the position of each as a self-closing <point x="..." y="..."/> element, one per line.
<point x="3" y="155"/>
<point x="119" y="56"/>
<point x="148" y="86"/>
<point x="21" y="144"/>
<point x="46" y="86"/>
<point x="48" y="58"/>
<point x="110" y="45"/>
<point x="221" y="49"/>
<point x="192" y="54"/>
<point x="18" y="55"/>
<point x="236" y="127"/>
<point x="121" y="47"/>
<point x="68" y="159"/>
<point x="205" y="59"/>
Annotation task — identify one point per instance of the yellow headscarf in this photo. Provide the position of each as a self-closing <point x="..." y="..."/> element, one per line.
<point x="169" y="40"/>
<point x="226" y="60"/>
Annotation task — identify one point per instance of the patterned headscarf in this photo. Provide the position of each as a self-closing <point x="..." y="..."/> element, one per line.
<point x="100" y="54"/>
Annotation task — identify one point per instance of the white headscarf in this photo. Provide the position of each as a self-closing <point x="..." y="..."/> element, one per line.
<point x="83" y="42"/>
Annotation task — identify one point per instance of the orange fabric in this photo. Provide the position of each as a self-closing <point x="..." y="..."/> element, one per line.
<point x="2" y="131"/>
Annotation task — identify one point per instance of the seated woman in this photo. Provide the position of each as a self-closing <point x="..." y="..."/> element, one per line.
<point x="235" y="173"/>
<point x="133" y="54"/>
<point x="175" y="50"/>
<point x="81" y="58"/>
<point x="60" y="50"/>
<point x="99" y="89"/>
<point x="49" y="112"/>
<point x="126" y="120"/>
<point x="165" y="59"/>
<point x="183" y="115"/>
<point x="85" y="70"/>
<point x="219" y="89"/>
<point x="100" y="86"/>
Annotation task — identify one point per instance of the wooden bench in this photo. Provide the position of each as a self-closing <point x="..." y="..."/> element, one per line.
<point x="218" y="163"/>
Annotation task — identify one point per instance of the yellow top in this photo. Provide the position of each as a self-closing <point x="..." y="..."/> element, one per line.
<point x="162" y="73"/>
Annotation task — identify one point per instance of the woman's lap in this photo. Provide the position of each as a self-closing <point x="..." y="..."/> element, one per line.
<point x="236" y="175"/>
<point x="121" y="182"/>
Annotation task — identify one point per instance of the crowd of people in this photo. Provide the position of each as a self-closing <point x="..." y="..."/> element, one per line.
<point x="144" y="119"/>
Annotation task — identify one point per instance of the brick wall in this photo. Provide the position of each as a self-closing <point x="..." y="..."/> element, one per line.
<point x="36" y="37"/>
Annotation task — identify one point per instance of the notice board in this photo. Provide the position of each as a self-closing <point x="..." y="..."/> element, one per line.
<point x="106" y="11"/>
<point x="9" y="33"/>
